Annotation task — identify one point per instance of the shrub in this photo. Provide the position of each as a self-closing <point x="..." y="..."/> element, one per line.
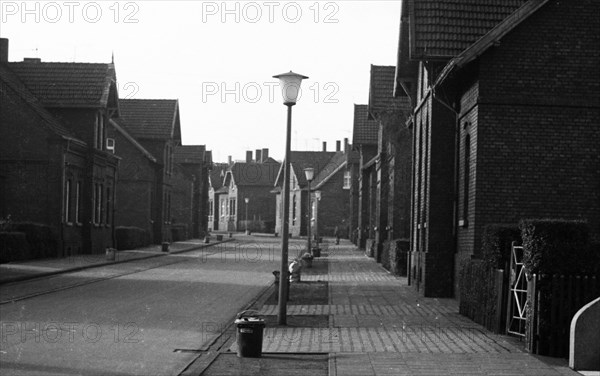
<point x="398" y="256"/>
<point x="179" y="232"/>
<point x="554" y="246"/>
<point x="496" y="244"/>
<point x="131" y="238"/>
<point x="478" y="293"/>
<point x="42" y="242"/>
<point x="14" y="247"/>
<point x="385" y="254"/>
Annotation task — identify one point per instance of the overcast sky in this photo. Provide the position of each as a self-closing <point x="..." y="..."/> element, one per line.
<point x="218" y="59"/>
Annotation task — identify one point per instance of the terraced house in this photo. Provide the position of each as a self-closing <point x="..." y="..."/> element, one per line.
<point x="505" y="120"/>
<point x="56" y="170"/>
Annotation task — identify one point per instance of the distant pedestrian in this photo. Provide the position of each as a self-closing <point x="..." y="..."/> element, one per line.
<point x="336" y="233"/>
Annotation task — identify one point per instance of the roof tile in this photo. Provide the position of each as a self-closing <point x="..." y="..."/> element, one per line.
<point x="151" y="118"/>
<point x="365" y="131"/>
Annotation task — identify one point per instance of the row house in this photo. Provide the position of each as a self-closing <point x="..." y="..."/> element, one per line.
<point x="392" y="163"/>
<point x="329" y="206"/>
<point x="505" y="122"/>
<point x="195" y="162"/>
<point x="243" y="199"/>
<point x="215" y="189"/>
<point x="55" y="168"/>
<point x="365" y="134"/>
<point x="65" y="142"/>
<point x="162" y="184"/>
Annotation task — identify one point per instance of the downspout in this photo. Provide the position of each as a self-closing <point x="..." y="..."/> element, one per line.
<point x="62" y="195"/>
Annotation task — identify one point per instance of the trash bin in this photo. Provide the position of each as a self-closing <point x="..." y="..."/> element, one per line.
<point x="165" y="246"/>
<point x="249" y="334"/>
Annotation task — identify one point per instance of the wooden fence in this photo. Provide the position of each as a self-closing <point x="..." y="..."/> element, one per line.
<point x="553" y="301"/>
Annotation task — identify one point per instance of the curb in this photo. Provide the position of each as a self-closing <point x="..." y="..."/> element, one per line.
<point x="79" y="268"/>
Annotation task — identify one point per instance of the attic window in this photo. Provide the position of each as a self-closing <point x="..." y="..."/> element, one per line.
<point x="347" y="180"/>
<point x="110" y="145"/>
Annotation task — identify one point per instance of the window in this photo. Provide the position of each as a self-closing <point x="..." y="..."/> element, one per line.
<point x="67" y="201"/>
<point x="99" y="136"/>
<point x="467" y="179"/>
<point x="211" y="209"/>
<point x="97" y="203"/>
<point x="110" y="145"/>
<point x="78" y="202"/>
<point x="347" y="180"/>
<point x="108" y="205"/>
<point x="232" y="207"/>
<point x="222" y="207"/>
<point x="294" y="211"/>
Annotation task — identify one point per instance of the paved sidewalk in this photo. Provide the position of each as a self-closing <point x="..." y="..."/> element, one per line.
<point x="24" y="270"/>
<point x="379" y="326"/>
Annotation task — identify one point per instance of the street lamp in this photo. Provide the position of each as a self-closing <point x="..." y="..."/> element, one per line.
<point x="309" y="172"/>
<point x="317" y="198"/>
<point x="290" y="88"/>
<point x="247" y="200"/>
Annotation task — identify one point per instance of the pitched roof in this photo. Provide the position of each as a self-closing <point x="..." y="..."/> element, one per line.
<point x="156" y="119"/>
<point x="132" y="140"/>
<point x="335" y="164"/>
<point x="365" y="131"/>
<point x="381" y="92"/>
<point x="216" y="176"/>
<point x="15" y="94"/>
<point x="444" y="28"/>
<point x="254" y="174"/>
<point x="69" y="84"/>
<point x="299" y="160"/>
<point x="490" y="38"/>
<point x="192" y="154"/>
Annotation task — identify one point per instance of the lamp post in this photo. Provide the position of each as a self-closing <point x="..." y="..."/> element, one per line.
<point x="290" y="88"/>
<point x="247" y="200"/>
<point x="309" y="172"/>
<point x="317" y="199"/>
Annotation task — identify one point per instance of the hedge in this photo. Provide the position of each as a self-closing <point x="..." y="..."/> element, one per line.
<point x="478" y="293"/>
<point x="14" y="247"/>
<point x="42" y="242"/>
<point x="496" y="244"/>
<point x="477" y="280"/>
<point x="179" y="232"/>
<point x="555" y="246"/>
<point x="398" y="253"/>
<point x="132" y="238"/>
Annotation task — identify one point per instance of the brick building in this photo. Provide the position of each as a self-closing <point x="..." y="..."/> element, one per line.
<point x="194" y="161"/>
<point x="148" y="181"/>
<point x="393" y="159"/>
<point x="55" y="168"/>
<point x="364" y="140"/>
<point x="215" y="189"/>
<point x="252" y="180"/>
<point x="332" y="208"/>
<point x="506" y="123"/>
<point x="231" y="184"/>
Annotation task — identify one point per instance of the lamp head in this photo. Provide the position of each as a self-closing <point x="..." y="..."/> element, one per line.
<point x="290" y="86"/>
<point x="309" y="172"/>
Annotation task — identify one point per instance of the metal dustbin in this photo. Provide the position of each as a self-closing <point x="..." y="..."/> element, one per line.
<point x="249" y="334"/>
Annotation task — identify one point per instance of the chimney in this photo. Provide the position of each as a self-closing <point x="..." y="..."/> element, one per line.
<point x="346" y="145"/>
<point x="248" y="156"/>
<point x="338" y="145"/>
<point x="3" y="50"/>
<point x="258" y="156"/>
<point x="229" y="160"/>
<point x="265" y="154"/>
<point x="324" y="146"/>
